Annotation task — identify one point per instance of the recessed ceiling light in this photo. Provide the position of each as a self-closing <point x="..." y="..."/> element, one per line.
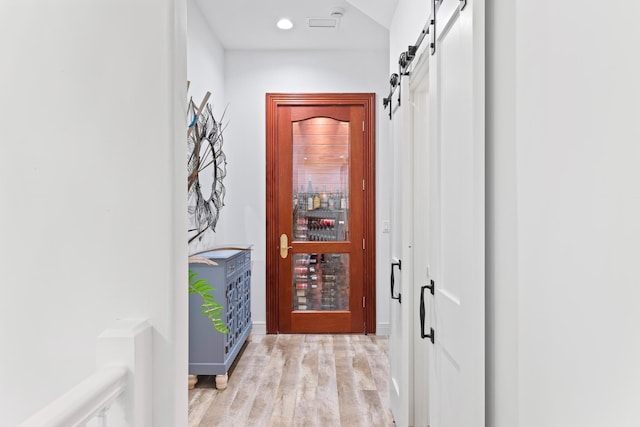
<point x="285" y="24"/>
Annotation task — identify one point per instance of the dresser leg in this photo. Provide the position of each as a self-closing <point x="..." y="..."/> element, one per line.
<point x="193" y="379"/>
<point x="221" y="381"/>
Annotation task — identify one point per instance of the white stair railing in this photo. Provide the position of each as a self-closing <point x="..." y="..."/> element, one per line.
<point x="118" y="393"/>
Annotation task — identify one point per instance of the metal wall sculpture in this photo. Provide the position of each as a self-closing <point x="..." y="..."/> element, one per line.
<point x="206" y="167"/>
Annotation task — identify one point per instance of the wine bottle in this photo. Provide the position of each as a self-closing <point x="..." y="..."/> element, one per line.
<point x="324" y="199"/>
<point x="316" y="200"/>
<point x="309" y="197"/>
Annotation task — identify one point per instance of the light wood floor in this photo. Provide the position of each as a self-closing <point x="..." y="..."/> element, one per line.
<point x="300" y="380"/>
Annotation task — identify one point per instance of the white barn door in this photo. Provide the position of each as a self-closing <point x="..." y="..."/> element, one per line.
<point x="408" y="351"/>
<point x="457" y="221"/>
<point x="401" y="298"/>
<point x="419" y="103"/>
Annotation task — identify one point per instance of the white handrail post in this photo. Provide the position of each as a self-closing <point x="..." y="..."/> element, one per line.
<point x="128" y="343"/>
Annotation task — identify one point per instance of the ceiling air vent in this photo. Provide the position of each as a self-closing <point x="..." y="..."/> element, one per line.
<point x="322" y="22"/>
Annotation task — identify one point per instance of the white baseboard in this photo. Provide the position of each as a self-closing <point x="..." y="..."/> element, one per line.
<point x="382" y="329"/>
<point x="259" y="328"/>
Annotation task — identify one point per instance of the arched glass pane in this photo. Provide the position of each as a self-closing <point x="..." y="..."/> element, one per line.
<point x="321" y="154"/>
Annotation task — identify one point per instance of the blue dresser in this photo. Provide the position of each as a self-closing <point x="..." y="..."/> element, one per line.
<point x="212" y="352"/>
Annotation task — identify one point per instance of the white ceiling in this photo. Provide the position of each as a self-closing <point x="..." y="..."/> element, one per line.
<point x="251" y="24"/>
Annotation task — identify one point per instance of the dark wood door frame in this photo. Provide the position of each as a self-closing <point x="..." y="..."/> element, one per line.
<point x="273" y="101"/>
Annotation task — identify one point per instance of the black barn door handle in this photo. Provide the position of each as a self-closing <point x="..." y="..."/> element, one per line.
<point x="432" y="334"/>
<point x="393" y="281"/>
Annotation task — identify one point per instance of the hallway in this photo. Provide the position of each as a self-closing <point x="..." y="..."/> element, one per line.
<point x="300" y="380"/>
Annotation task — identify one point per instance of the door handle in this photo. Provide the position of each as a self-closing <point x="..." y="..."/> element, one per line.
<point x="284" y="246"/>
<point x="431" y="287"/>
<point x="432" y="333"/>
<point x="393" y="281"/>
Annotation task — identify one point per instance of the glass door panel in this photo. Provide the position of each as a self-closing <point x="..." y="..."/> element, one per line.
<point x="321" y="282"/>
<point x="321" y="156"/>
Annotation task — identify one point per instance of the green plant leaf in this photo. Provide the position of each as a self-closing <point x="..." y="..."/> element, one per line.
<point x="210" y="308"/>
<point x="201" y="285"/>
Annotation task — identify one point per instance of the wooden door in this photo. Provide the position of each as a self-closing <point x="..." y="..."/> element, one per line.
<point x="320" y="218"/>
<point x="457" y="221"/>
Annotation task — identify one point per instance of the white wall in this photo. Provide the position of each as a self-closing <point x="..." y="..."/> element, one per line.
<point x="93" y="195"/>
<point x="205" y="71"/>
<point x="249" y="75"/>
<point x="564" y="132"/>
<point x="408" y="20"/>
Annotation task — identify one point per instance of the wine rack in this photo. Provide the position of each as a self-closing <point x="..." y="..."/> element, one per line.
<point x="321" y="282"/>
<point x="320" y="225"/>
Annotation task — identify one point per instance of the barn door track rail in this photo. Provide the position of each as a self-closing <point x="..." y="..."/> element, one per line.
<point x="407" y="57"/>
<point x="405" y="60"/>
